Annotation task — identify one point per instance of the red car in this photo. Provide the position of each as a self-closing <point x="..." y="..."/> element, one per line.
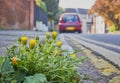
<point x="70" y="22"/>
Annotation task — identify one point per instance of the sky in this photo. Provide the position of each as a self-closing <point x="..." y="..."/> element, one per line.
<point x="87" y="4"/>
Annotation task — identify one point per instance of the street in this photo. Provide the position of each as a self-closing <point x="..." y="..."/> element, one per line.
<point x="82" y="43"/>
<point x="105" y="47"/>
<point x="9" y="38"/>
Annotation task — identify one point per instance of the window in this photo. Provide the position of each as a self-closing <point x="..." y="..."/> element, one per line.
<point x="70" y="18"/>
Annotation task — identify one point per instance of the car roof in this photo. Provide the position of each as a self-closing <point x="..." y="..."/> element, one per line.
<point x="69" y="14"/>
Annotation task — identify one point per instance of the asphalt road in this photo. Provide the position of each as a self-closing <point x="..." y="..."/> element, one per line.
<point x="8" y="38"/>
<point x="106" y="38"/>
<point x="106" y="45"/>
<point x="109" y="39"/>
<point x="106" y="41"/>
<point x="109" y="42"/>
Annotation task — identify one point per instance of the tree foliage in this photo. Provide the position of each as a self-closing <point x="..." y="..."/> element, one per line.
<point x="52" y="8"/>
<point x="109" y="9"/>
<point x="41" y="4"/>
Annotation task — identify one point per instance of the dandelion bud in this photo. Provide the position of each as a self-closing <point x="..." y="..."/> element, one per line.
<point x="59" y="43"/>
<point x="54" y="34"/>
<point x="37" y="37"/>
<point x="32" y="43"/>
<point x="24" y="40"/>
<point x="47" y="35"/>
<point x="19" y="39"/>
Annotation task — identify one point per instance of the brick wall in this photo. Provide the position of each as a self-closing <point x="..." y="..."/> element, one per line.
<point x="16" y="14"/>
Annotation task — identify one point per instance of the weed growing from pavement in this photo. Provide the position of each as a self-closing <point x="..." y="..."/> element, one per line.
<point x="45" y="63"/>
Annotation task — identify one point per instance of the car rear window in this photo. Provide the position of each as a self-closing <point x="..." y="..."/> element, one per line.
<point x="70" y="18"/>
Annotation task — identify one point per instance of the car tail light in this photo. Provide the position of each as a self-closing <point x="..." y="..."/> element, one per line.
<point x="61" y="20"/>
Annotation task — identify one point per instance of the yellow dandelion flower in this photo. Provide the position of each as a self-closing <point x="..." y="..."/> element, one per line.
<point x="24" y="40"/>
<point x="47" y="35"/>
<point x="74" y="55"/>
<point x="59" y="43"/>
<point x="32" y="43"/>
<point x="54" y="34"/>
<point x="14" y="61"/>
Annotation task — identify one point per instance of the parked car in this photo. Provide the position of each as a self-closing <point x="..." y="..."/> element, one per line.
<point x="69" y="22"/>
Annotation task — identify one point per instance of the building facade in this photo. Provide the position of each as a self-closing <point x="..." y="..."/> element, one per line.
<point x="99" y="26"/>
<point x="87" y="20"/>
<point x="20" y="14"/>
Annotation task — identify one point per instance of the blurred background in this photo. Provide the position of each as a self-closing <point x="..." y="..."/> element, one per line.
<point x="43" y="15"/>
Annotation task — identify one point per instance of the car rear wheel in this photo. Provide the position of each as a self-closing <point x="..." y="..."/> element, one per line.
<point x="80" y="31"/>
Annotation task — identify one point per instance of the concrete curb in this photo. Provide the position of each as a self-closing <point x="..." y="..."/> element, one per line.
<point x="65" y="44"/>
